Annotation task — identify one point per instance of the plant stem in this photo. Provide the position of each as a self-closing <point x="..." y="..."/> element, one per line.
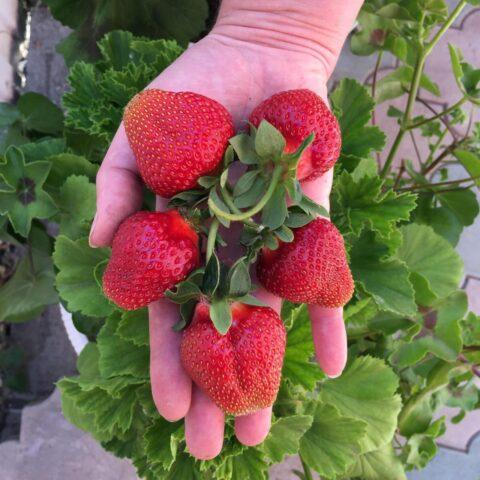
<point x="229" y="201"/>
<point x="440" y="184"/>
<point x="239" y="217"/>
<point x="399" y="174"/>
<point x="441" y="114"/>
<point x="434" y="149"/>
<point x="448" y="23"/>
<point x="212" y="237"/>
<point x="417" y="75"/>
<point x="442" y="119"/>
<point x="374" y="80"/>
<point x="306" y="469"/>
<point x="443" y="155"/>
<point x="406" y="117"/>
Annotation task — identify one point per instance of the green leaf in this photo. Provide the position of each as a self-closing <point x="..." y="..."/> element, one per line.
<point x="353" y="107"/>
<point x="22" y="197"/>
<point x="40" y="114"/>
<point x="160" y="446"/>
<point x="398" y="82"/>
<point x="63" y="166"/>
<point x="421" y="448"/>
<point x="211" y="277"/>
<point x="133" y="327"/>
<point x="221" y="315"/>
<point x="77" y="202"/>
<point x="184" y="292"/>
<point x="366" y="391"/>
<point x="386" y="279"/>
<point x="463" y="203"/>
<point x="250" y="463"/>
<point x="362" y="203"/>
<point x="470" y="162"/>
<point x="284" y="437"/>
<point x="269" y="142"/>
<point x="275" y="211"/>
<point x="245" y="182"/>
<point x="9" y="114"/>
<point x="244" y="147"/>
<point x="215" y="199"/>
<point x="331" y="444"/>
<point x="431" y="258"/>
<point x="238" y="279"/>
<point x="31" y="287"/>
<point x="445" y="341"/>
<point x="76" y="283"/>
<point x="119" y="356"/>
<point x="378" y="465"/>
<point x="297" y="366"/>
<point x="252" y="196"/>
<point x="284" y="234"/>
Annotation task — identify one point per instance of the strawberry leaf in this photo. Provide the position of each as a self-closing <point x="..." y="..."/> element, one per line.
<point x="275" y="211"/>
<point x="245" y="182"/>
<point x="221" y="315"/>
<point x="269" y="142"/>
<point x="211" y="277"/>
<point x="244" y="147"/>
<point x="238" y="279"/>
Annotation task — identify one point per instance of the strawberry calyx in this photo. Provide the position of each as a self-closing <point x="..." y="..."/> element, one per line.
<point x="219" y="286"/>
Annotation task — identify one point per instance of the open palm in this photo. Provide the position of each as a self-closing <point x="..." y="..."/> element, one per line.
<point x="239" y="75"/>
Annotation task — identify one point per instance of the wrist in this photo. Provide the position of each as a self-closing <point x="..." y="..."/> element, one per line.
<point x="317" y="28"/>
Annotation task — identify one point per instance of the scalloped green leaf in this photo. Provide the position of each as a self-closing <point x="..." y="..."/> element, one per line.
<point x="333" y="441"/>
<point x="431" y="258"/>
<point x="366" y="391"/>
<point x="22" y="197"/>
<point x="75" y="282"/>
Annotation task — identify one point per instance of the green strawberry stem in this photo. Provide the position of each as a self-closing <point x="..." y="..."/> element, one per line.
<point x="212" y="236"/>
<point x="227" y="198"/>
<point x="240" y="217"/>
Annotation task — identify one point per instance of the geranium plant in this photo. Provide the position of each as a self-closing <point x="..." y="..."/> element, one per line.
<point x="413" y="345"/>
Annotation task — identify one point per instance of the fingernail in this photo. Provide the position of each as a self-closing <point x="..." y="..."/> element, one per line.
<point x="92" y="231"/>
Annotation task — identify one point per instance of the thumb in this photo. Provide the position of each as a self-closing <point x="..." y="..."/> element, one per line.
<point x="119" y="190"/>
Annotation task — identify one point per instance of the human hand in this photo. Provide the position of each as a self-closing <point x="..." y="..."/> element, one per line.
<point x="248" y="56"/>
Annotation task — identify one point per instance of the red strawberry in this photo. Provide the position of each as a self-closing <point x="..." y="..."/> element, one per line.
<point x="296" y="114"/>
<point x="151" y="253"/>
<point x="241" y="370"/>
<point x="176" y="138"/>
<point x="311" y="269"/>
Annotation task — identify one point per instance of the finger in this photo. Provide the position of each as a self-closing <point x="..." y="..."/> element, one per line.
<point x="204" y="426"/>
<point x="171" y="386"/>
<point x="319" y="189"/>
<point x="329" y="339"/>
<point x="119" y="190"/>
<point x="253" y="429"/>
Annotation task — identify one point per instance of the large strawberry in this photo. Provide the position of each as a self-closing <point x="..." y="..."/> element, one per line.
<point x="176" y="138"/>
<point x="311" y="269"/>
<point x="296" y="114"/>
<point x="151" y="253"/>
<point x="241" y="370"/>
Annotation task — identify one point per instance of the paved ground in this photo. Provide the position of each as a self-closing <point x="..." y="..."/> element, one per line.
<point x="47" y="447"/>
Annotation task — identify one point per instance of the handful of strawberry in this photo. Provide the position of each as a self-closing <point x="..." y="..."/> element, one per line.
<point x="233" y="345"/>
